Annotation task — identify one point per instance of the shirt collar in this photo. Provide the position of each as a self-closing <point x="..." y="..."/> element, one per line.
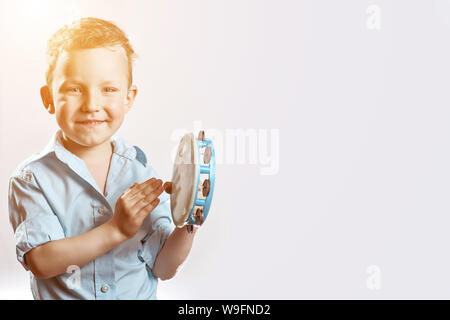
<point x="121" y="147"/>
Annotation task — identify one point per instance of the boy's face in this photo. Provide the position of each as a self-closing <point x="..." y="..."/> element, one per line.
<point x="90" y="84"/>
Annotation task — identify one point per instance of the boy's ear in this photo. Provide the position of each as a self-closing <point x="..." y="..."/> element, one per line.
<point x="131" y="95"/>
<point x="47" y="99"/>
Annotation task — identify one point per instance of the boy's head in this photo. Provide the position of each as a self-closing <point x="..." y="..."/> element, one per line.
<point x="89" y="77"/>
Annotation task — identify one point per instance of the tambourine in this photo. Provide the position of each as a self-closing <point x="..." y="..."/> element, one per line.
<point x="192" y="181"/>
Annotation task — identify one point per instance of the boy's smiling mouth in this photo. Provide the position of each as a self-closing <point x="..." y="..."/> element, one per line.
<point x="91" y="123"/>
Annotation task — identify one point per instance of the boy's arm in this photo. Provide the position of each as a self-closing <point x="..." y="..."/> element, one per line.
<point x="53" y="258"/>
<point x="173" y="253"/>
<point x="136" y="203"/>
<point x="175" y="250"/>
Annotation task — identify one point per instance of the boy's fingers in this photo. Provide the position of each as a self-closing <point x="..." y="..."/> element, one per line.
<point x="143" y="212"/>
<point x="146" y="191"/>
<point x="168" y="187"/>
<point x="134" y="191"/>
<point x="128" y="190"/>
<point x="145" y="200"/>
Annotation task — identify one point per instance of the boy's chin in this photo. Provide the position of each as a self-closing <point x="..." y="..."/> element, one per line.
<point x="89" y="138"/>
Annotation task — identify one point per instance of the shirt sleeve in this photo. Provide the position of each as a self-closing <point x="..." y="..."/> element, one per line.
<point x="162" y="227"/>
<point x="33" y="221"/>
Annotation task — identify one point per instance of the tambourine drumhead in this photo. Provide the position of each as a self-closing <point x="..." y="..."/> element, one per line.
<point x="184" y="179"/>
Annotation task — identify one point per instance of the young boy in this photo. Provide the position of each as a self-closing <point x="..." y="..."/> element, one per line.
<point x="90" y="215"/>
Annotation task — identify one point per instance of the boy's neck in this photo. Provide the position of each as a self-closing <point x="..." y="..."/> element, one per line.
<point x="89" y="154"/>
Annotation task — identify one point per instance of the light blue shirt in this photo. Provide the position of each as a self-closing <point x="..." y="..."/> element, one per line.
<point x="52" y="195"/>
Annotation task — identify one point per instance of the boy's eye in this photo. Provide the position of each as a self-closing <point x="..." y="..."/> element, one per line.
<point x="74" y="89"/>
<point x="110" y="89"/>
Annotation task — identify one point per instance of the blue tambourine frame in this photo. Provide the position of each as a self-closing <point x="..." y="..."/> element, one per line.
<point x="210" y="170"/>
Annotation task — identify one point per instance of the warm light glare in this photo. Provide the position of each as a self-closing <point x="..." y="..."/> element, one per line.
<point x="38" y="12"/>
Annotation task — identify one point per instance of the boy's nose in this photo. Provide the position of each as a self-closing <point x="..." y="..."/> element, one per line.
<point x="90" y="105"/>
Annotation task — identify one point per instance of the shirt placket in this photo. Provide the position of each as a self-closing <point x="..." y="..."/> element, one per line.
<point x="104" y="266"/>
<point x="104" y="271"/>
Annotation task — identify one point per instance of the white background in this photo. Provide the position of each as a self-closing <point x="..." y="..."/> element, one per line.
<point x="362" y="115"/>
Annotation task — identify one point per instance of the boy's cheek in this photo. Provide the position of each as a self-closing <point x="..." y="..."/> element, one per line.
<point x="117" y="108"/>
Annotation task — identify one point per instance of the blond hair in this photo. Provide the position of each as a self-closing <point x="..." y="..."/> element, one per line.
<point x="87" y="33"/>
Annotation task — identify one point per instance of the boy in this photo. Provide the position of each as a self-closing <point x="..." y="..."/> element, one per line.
<point x="90" y="216"/>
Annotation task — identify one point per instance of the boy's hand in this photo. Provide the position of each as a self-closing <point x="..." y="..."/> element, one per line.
<point x="135" y="205"/>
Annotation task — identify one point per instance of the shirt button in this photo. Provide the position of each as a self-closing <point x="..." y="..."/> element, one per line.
<point x="101" y="210"/>
<point x="104" y="288"/>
